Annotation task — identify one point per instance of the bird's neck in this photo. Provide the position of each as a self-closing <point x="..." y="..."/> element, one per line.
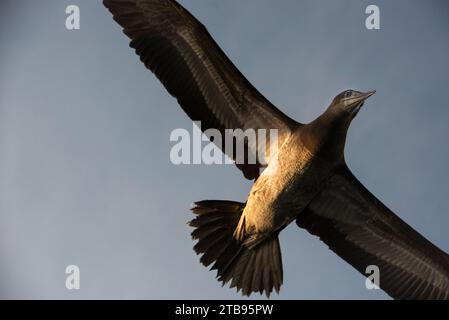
<point x="325" y="137"/>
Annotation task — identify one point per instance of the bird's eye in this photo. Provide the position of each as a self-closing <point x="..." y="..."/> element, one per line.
<point x="348" y="94"/>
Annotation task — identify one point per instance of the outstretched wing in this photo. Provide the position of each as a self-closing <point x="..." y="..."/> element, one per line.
<point x="181" y="53"/>
<point x="362" y="231"/>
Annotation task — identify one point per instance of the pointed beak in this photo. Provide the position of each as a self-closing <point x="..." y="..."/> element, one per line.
<point x="356" y="103"/>
<point x="362" y="97"/>
<point x="369" y="94"/>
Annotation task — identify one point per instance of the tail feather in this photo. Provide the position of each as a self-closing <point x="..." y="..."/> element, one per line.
<point x="250" y="269"/>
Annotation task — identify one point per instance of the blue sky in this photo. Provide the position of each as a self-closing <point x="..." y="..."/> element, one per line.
<point x="85" y="176"/>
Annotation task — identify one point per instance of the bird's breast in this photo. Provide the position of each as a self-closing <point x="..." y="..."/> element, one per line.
<point x="285" y="188"/>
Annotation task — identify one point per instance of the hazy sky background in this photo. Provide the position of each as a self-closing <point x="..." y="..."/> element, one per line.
<point x="85" y="176"/>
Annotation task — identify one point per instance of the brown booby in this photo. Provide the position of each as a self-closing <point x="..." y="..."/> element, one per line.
<point x="310" y="182"/>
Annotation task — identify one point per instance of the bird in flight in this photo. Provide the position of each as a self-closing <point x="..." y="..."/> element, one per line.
<point x="305" y="179"/>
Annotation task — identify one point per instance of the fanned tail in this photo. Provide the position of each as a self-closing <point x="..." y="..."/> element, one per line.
<point x="255" y="269"/>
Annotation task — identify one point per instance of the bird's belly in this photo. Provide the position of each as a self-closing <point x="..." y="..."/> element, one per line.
<point x="282" y="192"/>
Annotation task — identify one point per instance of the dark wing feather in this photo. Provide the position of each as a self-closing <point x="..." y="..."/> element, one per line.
<point x="362" y="231"/>
<point x="193" y="68"/>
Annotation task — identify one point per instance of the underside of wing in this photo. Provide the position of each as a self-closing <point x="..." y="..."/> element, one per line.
<point x="362" y="231"/>
<point x="181" y="53"/>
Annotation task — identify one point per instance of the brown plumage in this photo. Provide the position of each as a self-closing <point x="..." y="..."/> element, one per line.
<point x="307" y="180"/>
<point x="250" y="270"/>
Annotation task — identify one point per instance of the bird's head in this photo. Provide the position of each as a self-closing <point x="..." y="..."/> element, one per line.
<point x="326" y="135"/>
<point x="347" y="104"/>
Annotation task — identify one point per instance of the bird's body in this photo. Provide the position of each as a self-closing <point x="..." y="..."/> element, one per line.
<point x="283" y="189"/>
<point x="306" y="178"/>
